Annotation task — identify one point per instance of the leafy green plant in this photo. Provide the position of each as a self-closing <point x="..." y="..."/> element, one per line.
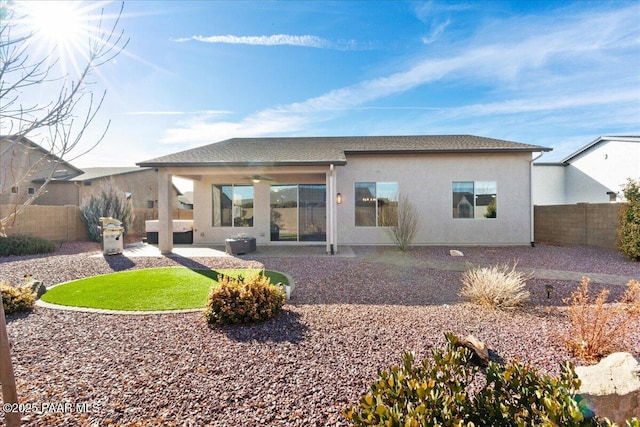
<point x="598" y="329"/>
<point x="111" y="202"/>
<point x="628" y="236"/>
<point x="438" y="392"/>
<point x="24" y="245"/>
<point x="243" y="300"/>
<point x="498" y="286"/>
<point x="16" y="299"/>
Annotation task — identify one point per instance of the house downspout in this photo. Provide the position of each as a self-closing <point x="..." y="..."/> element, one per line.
<point x="531" y="195"/>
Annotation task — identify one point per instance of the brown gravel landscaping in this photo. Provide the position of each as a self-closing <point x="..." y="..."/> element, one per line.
<point x="348" y="318"/>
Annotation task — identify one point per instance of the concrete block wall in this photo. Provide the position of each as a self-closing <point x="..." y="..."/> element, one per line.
<point x="55" y="223"/>
<point x="580" y="224"/>
<point x="65" y="224"/>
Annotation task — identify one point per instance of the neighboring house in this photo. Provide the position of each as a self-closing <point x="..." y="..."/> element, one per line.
<point x="140" y="184"/>
<point x="24" y="165"/>
<point x="69" y="185"/>
<point x="594" y="174"/>
<point x="344" y="190"/>
<point x="185" y="201"/>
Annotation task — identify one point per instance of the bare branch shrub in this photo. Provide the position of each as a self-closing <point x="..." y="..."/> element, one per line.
<point x="598" y="329"/>
<point x="498" y="286"/>
<point x="402" y="223"/>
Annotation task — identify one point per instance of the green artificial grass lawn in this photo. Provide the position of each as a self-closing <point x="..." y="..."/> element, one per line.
<point x="149" y="289"/>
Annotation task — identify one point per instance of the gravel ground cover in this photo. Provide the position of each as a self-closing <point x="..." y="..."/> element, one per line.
<point x="348" y="318"/>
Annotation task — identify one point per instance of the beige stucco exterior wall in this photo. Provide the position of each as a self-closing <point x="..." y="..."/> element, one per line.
<point x="427" y="178"/>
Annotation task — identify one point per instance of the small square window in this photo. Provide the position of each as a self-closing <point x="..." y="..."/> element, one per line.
<point x="149" y="204"/>
<point x="31" y="191"/>
<point x="15" y="190"/>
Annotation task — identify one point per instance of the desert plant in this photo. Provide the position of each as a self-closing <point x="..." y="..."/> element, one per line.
<point x="16" y="299"/>
<point x="24" y="245"/>
<point x="401" y="223"/>
<point x="439" y="392"/>
<point x="628" y="236"/>
<point x="498" y="286"/>
<point x="111" y="202"/>
<point x="243" y="300"/>
<point x="596" y="328"/>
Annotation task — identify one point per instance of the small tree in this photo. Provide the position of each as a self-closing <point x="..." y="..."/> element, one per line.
<point x="111" y="202"/>
<point x="403" y="230"/>
<point x="629" y="228"/>
<point x="60" y="122"/>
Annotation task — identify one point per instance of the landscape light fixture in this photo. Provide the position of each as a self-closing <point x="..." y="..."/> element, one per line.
<point x="548" y="288"/>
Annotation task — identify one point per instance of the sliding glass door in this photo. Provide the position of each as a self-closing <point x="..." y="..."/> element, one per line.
<point x="298" y="213"/>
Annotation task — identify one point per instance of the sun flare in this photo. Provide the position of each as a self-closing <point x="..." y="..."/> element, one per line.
<point x="56" y="22"/>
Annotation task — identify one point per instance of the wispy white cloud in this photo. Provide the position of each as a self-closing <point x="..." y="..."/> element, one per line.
<point x="280" y="40"/>
<point x="179" y="113"/>
<point x="425" y="11"/>
<point x="436" y="32"/>
<point x="546" y="67"/>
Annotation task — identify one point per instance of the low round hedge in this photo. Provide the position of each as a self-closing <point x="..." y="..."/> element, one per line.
<point x="243" y="300"/>
<point x="24" y="245"/>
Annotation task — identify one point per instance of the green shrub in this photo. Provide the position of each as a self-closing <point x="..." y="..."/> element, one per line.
<point x="17" y="299"/>
<point x="24" y="245"/>
<point x="628" y="239"/>
<point x="439" y="392"/>
<point x="111" y="202"/>
<point x="243" y="300"/>
<point x="498" y="286"/>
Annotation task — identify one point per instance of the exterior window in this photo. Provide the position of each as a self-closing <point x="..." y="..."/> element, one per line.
<point x="86" y="183"/>
<point x="376" y="204"/>
<point x="15" y="190"/>
<point x="149" y="204"/>
<point x="31" y="191"/>
<point x="232" y="205"/>
<point x="475" y="199"/>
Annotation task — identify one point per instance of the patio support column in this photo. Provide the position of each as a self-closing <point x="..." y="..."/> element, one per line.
<point x="165" y="212"/>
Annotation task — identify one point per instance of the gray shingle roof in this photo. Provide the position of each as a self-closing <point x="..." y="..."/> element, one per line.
<point x="101" y="172"/>
<point x="327" y="150"/>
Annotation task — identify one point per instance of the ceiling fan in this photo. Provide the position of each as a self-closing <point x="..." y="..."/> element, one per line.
<point x="257" y="178"/>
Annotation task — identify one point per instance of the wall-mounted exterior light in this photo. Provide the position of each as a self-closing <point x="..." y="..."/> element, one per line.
<point x="339" y="198"/>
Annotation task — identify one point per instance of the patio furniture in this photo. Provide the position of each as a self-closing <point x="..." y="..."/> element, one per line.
<point x="240" y="245"/>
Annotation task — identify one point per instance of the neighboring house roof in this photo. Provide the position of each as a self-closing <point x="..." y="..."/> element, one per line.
<point x="63" y="166"/>
<point x="105" y="172"/>
<point x="186" y="198"/>
<point x="329" y="150"/>
<point x="597" y="141"/>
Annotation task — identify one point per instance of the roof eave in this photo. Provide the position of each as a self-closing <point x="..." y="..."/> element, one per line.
<point x="453" y="151"/>
<point x="153" y="164"/>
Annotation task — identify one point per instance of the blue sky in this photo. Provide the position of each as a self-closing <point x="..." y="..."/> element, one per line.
<point x="557" y="74"/>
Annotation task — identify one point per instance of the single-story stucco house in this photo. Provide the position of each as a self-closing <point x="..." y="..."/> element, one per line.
<point x="468" y="190"/>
